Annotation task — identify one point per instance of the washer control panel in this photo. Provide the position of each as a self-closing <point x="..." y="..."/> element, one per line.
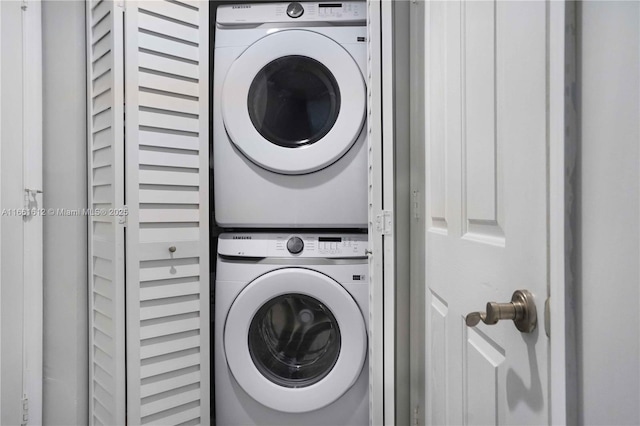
<point x="293" y="245"/>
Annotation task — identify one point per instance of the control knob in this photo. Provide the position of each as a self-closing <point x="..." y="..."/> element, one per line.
<point x="295" y="10"/>
<point x="295" y="245"/>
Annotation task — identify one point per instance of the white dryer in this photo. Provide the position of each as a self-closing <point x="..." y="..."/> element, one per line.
<point x="291" y="318"/>
<point x="289" y="103"/>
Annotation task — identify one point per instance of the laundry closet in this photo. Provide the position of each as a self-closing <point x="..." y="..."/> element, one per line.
<point x="235" y="281"/>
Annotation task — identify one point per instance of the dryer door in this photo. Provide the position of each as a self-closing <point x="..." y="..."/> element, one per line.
<point x="295" y="340"/>
<point x="294" y="102"/>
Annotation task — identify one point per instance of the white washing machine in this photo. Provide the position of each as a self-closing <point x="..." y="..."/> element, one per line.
<point x="291" y="318"/>
<point x="289" y="104"/>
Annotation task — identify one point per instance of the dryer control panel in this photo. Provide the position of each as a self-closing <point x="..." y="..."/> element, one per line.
<point x="293" y="245"/>
<point x="265" y="13"/>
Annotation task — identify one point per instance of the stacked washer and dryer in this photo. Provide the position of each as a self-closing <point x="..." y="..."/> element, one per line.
<point x="290" y="190"/>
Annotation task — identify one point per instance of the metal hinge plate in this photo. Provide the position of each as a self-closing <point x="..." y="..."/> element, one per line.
<point x="384" y="222"/>
<point x="25" y="410"/>
<point x="122" y="216"/>
<point x="30" y="200"/>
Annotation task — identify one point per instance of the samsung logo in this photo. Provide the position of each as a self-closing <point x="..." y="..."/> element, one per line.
<point x="241" y="6"/>
<point x="242" y="238"/>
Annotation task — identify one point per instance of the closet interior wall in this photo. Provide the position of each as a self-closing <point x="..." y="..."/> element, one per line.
<point x="65" y="399"/>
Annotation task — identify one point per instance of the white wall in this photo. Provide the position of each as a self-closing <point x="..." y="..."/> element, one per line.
<point x="65" y="238"/>
<point x="608" y="251"/>
<point x="11" y="190"/>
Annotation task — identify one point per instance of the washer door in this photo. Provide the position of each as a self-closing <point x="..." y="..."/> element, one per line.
<point x="294" y="102"/>
<point x="295" y="340"/>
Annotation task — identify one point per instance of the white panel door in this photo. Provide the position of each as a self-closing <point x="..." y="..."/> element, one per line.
<point x="487" y="205"/>
<point x="167" y="193"/>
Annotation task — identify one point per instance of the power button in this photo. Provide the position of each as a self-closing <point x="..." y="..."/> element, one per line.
<point x="295" y="10"/>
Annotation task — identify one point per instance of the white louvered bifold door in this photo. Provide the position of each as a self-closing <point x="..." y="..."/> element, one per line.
<point x="105" y="150"/>
<point x="376" y="218"/>
<point x="151" y="56"/>
<point x="167" y="184"/>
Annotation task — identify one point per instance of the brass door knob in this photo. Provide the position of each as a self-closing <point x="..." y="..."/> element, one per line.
<point x="521" y="309"/>
<point x="172" y="249"/>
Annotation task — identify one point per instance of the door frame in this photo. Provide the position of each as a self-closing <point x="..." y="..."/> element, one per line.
<point x="0" y="204"/>
<point x="558" y="248"/>
<point x="381" y="217"/>
<point x="26" y="195"/>
<point x="559" y="313"/>
<point x="377" y="348"/>
<point x="33" y="227"/>
<point x="417" y="166"/>
<point x="389" y="210"/>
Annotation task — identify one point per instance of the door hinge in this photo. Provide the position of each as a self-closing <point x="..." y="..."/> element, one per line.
<point x="384" y="222"/>
<point x="25" y="410"/>
<point x="416" y="204"/>
<point x="547" y="317"/>
<point x="122" y="215"/>
<point x="416" y="416"/>
<point x="30" y="200"/>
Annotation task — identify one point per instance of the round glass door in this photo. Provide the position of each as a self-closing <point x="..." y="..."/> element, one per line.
<point x="294" y="102"/>
<point x="295" y="340"/>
